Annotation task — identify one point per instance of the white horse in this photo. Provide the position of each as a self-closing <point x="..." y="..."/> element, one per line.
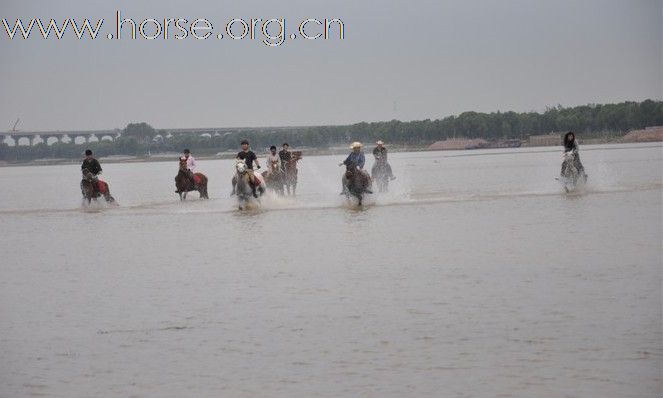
<point x="242" y="186"/>
<point x="572" y="177"/>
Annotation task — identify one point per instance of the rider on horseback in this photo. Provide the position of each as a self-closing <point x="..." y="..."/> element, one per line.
<point x="190" y="165"/>
<point x="380" y="155"/>
<point x="274" y="160"/>
<point x="571" y="145"/>
<point x="249" y="157"/>
<point x="356" y="158"/>
<point x="91" y="186"/>
<point x="91" y="164"/>
<point x="285" y="155"/>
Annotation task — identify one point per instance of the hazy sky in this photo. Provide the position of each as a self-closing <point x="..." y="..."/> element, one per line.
<point x="407" y="60"/>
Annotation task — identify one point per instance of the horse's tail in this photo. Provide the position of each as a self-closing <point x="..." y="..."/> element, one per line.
<point x="203" y="187"/>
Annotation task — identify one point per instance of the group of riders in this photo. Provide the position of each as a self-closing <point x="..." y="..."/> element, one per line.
<point x="356" y="161"/>
<point x="277" y="161"/>
<point x="277" y="167"/>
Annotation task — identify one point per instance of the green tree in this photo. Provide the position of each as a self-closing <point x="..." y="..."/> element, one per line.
<point x="142" y="132"/>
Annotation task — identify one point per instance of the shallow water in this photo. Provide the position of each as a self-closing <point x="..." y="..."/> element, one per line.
<point x="474" y="277"/>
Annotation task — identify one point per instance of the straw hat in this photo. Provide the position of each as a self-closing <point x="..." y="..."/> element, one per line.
<point x="355" y="144"/>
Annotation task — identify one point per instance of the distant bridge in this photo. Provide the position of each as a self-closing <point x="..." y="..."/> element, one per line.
<point x="86" y="136"/>
<point x="51" y="137"/>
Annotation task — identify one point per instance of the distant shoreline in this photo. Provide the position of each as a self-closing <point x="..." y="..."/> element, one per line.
<point x="307" y="152"/>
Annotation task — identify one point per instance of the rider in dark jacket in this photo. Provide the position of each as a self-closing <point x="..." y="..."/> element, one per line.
<point x="249" y="157"/>
<point x="285" y="155"/>
<point x="91" y="164"/>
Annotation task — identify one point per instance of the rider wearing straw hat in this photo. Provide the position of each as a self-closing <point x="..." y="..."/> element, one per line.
<point x="356" y="156"/>
<point x="380" y="154"/>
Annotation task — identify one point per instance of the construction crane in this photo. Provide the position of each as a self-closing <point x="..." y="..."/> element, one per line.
<point x="15" y="124"/>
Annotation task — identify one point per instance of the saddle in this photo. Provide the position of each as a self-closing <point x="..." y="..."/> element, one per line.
<point x="197" y="179"/>
<point x="258" y="180"/>
<point x="101" y="186"/>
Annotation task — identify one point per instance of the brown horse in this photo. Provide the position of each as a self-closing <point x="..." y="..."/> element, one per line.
<point x="290" y="178"/>
<point x="355" y="182"/>
<point x="93" y="188"/>
<point x="274" y="178"/>
<point x="184" y="183"/>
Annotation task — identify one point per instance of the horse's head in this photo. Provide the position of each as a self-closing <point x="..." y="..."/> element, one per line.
<point x="350" y="169"/>
<point x="87" y="175"/>
<point x="183" y="164"/>
<point x="240" y="167"/>
<point x="569" y="156"/>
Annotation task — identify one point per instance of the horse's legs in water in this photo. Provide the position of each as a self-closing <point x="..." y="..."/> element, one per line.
<point x="344" y="185"/>
<point x="285" y="181"/>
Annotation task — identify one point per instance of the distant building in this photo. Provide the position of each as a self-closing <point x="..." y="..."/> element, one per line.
<point x="649" y="134"/>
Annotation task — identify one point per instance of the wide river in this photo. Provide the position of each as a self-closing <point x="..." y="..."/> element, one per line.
<point x="475" y="276"/>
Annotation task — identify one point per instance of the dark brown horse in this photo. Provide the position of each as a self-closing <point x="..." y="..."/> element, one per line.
<point x="93" y="188"/>
<point x="290" y="167"/>
<point x="355" y="182"/>
<point x="274" y="178"/>
<point x="185" y="183"/>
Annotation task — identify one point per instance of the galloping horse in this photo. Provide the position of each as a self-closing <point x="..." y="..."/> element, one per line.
<point x="183" y="182"/>
<point x="92" y="188"/>
<point x="274" y="178"/>
<point x="572" y="177"/>
<point x="380" y="174"/>
<point x="291" y="172"/>
<point x="242" y="184"/>
<point x="355" y="182"/>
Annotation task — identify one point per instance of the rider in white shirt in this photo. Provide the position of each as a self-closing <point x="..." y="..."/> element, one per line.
<point x="190" y="164"/>
<point x="273" y="160"/>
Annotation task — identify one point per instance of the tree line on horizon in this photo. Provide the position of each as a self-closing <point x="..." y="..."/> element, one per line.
<point x="590" y="121"/>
